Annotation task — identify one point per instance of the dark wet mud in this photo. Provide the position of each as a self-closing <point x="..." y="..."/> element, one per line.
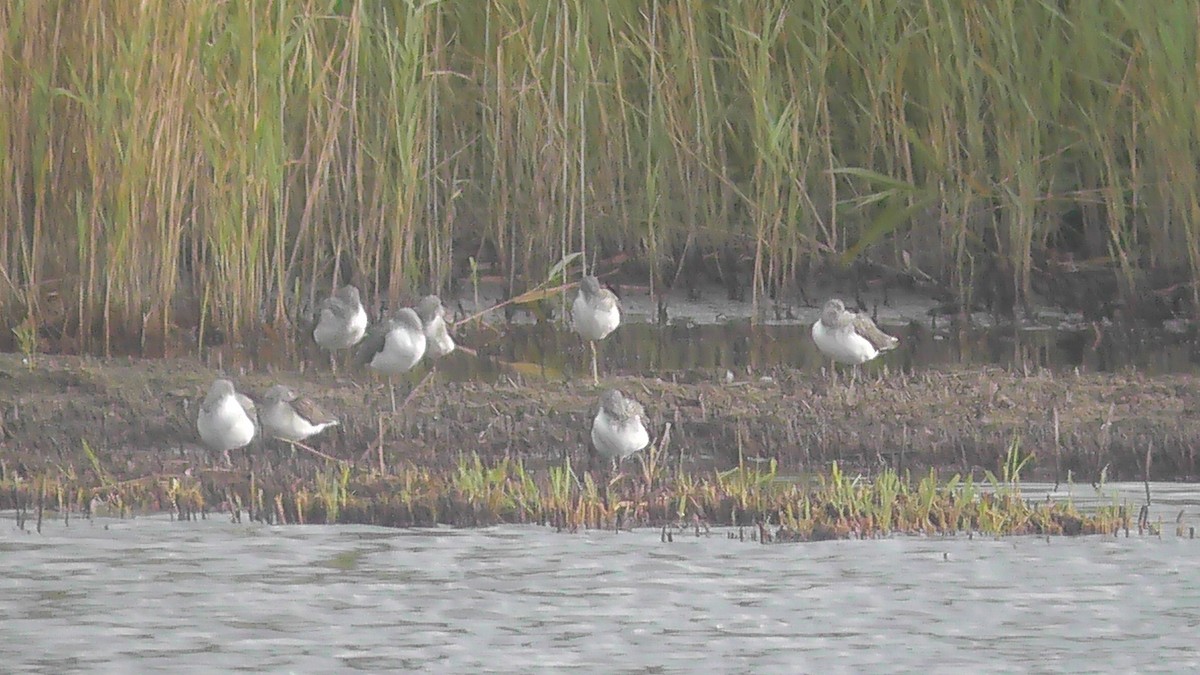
<point x="137" y="418"/>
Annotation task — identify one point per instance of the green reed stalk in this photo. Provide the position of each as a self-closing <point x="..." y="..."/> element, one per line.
<point x="249" y="154"/>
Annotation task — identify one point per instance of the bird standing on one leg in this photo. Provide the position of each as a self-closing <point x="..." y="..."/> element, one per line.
<point x="394" y="346"/>
<point x="595" y="313"/>
<point x="849" y="337"/>
<point x="341" y="322"/>
<point x="227" y="418"/>
<point x="618" y="430"/>
<point x="290" y="417"/>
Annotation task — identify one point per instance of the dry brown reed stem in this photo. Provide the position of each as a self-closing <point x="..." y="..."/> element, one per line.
<point x="527" y="297"/>
<point x="316" y="452"/>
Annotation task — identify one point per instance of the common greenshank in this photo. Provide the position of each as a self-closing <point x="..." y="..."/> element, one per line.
<point x="618" y="430"/>
<point x="595" y="313"/>
<point x="290" y="417"/>
<point x="227" y="420"/>
<point x="394" y="346"/>
<point x="849" y="337"/>
<point x="438" y="341"/>
<point x="341" y="322"/>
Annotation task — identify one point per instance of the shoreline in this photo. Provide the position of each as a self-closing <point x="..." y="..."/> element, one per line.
<point x="488" y="308"/>
<point x="84" y="435"/>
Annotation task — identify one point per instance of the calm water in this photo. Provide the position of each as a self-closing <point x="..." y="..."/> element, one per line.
<point x="149" y="595"/>
<point x="738" y="346"/>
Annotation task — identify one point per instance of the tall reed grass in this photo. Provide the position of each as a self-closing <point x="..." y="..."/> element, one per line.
<point x="214" y="166"/>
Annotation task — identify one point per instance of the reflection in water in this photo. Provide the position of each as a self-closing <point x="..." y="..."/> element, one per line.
<point x="150" y="594"/>
<point x="651" y="349"/>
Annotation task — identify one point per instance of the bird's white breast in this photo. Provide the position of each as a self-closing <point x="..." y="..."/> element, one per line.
<point x="613" y="438"/>
<point x="226" y="426"/>
<point x="402" y="349"/>
<point x="843" y="344"/>
<point x="438" y="342"/>
<point x="333" y="333"/>
<point x="358" y="325"/>
<point x="594" y="321"/>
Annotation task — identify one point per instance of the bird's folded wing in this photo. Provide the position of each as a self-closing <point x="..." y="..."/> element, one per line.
<point x="865" y="327"/>
<point x="309" y="410"/>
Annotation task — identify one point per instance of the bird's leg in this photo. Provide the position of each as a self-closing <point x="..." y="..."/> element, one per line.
<point x="392" y="391"/>
<point x="595" y="372"/>
<point x="615" y="474"/>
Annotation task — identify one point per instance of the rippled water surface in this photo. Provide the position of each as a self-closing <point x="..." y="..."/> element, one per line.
<point x="149" y="594"/>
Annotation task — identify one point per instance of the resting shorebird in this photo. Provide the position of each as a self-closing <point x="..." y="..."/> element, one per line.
<point x="595" y="314"/>
<point x="226" y="420"/>
<point x="617" y="431"/>
<point x="848" y="337"/>
<point x="290" y="417"/>
<point x="394" y="346"/>
<point x="341" y="321"/>
<point x="438" y="342"/>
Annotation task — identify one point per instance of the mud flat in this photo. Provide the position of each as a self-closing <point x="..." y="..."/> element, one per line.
<point x="136" y="417"/>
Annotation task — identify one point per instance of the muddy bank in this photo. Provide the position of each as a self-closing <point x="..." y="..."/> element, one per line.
<point x="138" y="416"/>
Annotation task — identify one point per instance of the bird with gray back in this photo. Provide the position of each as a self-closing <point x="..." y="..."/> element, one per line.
<point x="438" y="341"/>
<point x="227" y="419"/>
<point x="394" y="346"/>
<point x="290" y="417"/>
<point x="341" y="321"/>
<point x="618" y="430"/>
<point x="595" y="314"/>
<point x="849" y="337"/>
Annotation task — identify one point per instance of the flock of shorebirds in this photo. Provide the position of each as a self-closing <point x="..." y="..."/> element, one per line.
<point x="229" y="420"/>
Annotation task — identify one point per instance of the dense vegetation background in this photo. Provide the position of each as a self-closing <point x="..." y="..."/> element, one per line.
<point x="171" y="163"/>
